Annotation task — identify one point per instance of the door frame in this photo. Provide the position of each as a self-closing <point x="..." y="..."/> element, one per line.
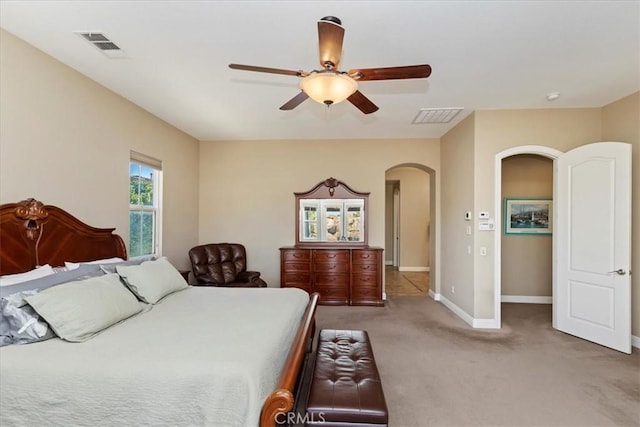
<point x="396" y="225"/>
<point x="539" y="150"/>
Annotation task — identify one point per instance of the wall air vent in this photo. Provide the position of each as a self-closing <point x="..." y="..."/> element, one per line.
<point x="436" y="115"/>
<point x="102" y="42"/>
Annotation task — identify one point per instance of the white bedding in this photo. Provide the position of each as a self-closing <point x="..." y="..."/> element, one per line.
<point x="202" y="356"/>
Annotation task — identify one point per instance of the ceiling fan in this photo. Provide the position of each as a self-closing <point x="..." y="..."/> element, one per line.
<point x="329" y="85"/>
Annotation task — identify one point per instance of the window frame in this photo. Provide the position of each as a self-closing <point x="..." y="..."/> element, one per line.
<point x="155" y="208"/>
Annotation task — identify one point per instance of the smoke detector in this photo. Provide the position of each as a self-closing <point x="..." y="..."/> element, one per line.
<point x="553" y="96"/>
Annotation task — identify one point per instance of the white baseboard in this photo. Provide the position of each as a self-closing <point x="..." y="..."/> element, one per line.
<point x="457" y="310"/>
<point x="490" y="323"/>
<point x="384" y="296"/>
<point x="524" y="299"/>
<point x="485" y="324"/>
<point x="413" y="269"/>
<point x="474" y="323"/>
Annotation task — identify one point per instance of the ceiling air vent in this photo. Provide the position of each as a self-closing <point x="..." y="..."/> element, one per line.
<point x="436" y="115"/>
<point x="102" y="42"/>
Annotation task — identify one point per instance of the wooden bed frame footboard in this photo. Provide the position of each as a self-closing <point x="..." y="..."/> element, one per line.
<point x="282" y="399"/>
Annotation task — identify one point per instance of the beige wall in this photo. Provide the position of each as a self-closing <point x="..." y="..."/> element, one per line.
<point x="246" y="191"/>
<point x="414" y="216"/>
<point x="526" y="259"/>
<point x="621" y="122"/>
<point x="65" y="140"/>
<point x="457" y="187"/>
<point x="497" y="131"/>
<point x="491" y="133"/>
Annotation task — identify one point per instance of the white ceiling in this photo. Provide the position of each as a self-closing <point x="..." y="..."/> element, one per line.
<point x="484" y="55"/>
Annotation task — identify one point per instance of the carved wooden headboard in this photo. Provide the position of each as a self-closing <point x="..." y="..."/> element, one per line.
<point x="33" y="234"/>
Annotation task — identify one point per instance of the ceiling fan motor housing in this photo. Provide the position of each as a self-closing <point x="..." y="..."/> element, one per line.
<point x="332" y="19"/>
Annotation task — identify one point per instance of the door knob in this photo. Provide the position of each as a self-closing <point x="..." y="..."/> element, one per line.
<point x="619" y="271"/>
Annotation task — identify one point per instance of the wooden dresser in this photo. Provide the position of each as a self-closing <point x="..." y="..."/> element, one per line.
<point x="342" y="276"/>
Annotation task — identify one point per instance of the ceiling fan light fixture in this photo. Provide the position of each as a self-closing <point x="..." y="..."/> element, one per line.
<point x="328" y="87"/>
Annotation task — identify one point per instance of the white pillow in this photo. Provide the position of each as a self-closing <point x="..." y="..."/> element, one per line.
<point x="152" y="280"/>
<point x="12" y="279"/>
<point x="77" y="311"/>
<point x="73" y="265"/>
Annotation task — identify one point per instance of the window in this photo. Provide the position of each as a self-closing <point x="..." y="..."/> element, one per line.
<point x="145" y="190"/>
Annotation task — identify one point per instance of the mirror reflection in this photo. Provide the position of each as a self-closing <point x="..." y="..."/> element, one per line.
<point x="332" y="220"/>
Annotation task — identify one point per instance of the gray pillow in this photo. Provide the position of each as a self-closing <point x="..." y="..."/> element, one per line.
<point x="152" y="280"/>
<point x="83" y="272"/>
<point x="19" y="323"/>
<point x="77" y="311"/>
<point x="22" y="322"/>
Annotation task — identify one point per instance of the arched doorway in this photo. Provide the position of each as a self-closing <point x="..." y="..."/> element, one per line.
<point x="410" y="219"/>
<point x="527" y="149"/>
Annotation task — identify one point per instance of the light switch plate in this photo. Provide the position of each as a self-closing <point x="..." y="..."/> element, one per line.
<point x="483" y="214"/>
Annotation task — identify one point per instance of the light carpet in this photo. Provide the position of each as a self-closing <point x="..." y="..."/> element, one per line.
<point x="438" y="371"/>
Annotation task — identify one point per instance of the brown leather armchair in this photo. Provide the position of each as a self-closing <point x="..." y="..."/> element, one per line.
<point x="223" y="264"/>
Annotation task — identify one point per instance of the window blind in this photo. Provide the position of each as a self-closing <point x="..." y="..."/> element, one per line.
<point x="146" y="160"/>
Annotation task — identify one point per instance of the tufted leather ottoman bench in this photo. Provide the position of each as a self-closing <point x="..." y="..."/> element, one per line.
<point x="345" y="385"/>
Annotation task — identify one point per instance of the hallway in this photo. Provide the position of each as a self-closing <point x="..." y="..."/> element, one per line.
<point x="406" y="283"/>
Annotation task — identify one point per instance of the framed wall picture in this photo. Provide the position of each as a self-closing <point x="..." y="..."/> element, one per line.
<point x="528" y="216"/>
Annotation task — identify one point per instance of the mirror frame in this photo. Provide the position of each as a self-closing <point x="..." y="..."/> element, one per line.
<point x="332" y="189"/>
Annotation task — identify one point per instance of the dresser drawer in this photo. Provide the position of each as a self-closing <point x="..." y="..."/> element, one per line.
<point x="332" y="295"/>
<point x="364" y="257"/>
<point x="365" y="294"/>
<point x="332" y="280"/>
<point x="296" y="278"/>
<point x="296" y="255"/>
<point x="364" y="268"/>
<point x="341" y="256"/>
<point x="296" y="266"/>
<point x="365" y="280"/>
<point x="331" y="267"/>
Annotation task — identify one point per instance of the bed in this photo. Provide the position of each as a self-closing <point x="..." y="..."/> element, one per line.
<point x="198" y="356"/>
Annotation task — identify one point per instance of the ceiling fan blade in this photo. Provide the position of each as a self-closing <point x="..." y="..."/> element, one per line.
<point x="295" y="101"/>
<point x="330" y="36"/>
<point x="391" y="73"/>
<point x="267" y="70"/>
<point x="362" y="102"/>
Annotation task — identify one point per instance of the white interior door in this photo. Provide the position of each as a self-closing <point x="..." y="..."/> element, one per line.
<point x="592" y="244"/>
